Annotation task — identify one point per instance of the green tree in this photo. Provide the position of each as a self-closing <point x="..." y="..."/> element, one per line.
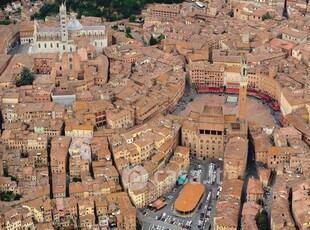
<point x="128" y="30"/>
<point x="259" y="202"/>
<point x="36" y="16"/>
<point x="161" y="36"/>
<point x="4" y="2"/>
<point x="26" y="77"/>
<point x="153" y="41"/>
<point x="5" y="22"/>
<point x="115" y="27"/>
<point x="266" y="16"/>
<point x="132" y="18"/>
<point x="262" y="220"/>
<point x="113" y="9"/>
<point x="6" y="196"/>
<point x="6" y="172"/>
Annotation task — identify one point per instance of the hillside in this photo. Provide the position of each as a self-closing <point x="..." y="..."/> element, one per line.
<point x="111" y="10"/>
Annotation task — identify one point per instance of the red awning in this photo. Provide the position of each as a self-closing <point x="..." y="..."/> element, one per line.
<point x="266" y="97"/>
<point x="275" y="106"/>
<point x="202" y="89"/>
<point x="232" y="90"/>
<point x="282" y="121"/>
<point x="209" y="90"/>
<point x="216" y="89"/>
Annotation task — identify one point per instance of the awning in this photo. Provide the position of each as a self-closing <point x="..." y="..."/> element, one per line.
<point x="275" y="106"/>
<point x="267" y="98"/>
<point x="210" y="90"/>
<point x="252" y="90"/>
<point x="282" y="121"/>
<point x="232" y="90"/>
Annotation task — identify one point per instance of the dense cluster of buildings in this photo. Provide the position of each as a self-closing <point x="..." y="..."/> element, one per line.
<point x="97" y="121"/>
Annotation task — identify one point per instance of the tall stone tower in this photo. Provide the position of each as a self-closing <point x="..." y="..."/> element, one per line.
<point x="243" y="88"/>
<point x="63" y="22"/>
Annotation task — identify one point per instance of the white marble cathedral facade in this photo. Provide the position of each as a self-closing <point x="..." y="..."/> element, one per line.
<point x="65" y="38"/>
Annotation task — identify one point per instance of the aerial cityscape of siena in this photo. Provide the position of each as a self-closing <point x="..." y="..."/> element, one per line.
<point x="155" y="114"/>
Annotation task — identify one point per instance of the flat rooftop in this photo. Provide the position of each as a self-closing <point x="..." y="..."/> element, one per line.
<point x="189" y="197"/>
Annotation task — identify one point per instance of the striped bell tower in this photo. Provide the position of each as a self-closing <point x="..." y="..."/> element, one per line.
<point x="63" y="22"/>
<point x="243" y="88"/>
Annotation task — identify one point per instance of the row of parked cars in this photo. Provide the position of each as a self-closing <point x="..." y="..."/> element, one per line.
<point x="212" y="174"/>
<point x="195" y="175"/>
<point x="146" y="214"/>
<point x="174" y="221"/>
<point x="159" y="227"/>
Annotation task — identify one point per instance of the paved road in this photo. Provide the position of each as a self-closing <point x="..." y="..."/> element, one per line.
<point x="149" y="221"/>
<point x="268" y="203"/>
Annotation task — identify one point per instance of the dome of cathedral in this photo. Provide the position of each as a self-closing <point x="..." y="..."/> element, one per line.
<point x="74" y="25"/>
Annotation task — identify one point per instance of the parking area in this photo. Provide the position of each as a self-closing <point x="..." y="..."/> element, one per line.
<point x="167" y="218"/>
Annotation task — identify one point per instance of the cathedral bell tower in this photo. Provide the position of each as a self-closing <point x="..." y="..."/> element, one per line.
<point x="243" y="88"/>
<point x="63" y="22"/>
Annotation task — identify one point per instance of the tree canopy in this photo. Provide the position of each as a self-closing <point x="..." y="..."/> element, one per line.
<point x="9" y="196"/>
<point x="26" y="77"/>
<point x="154" y="41"/>
<point x="4" y="2"/>
<point x="266" y="16"/>
<point x="132" y="18"/>
<point x="262" y="220"/>
<point x="111" y="10"/>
